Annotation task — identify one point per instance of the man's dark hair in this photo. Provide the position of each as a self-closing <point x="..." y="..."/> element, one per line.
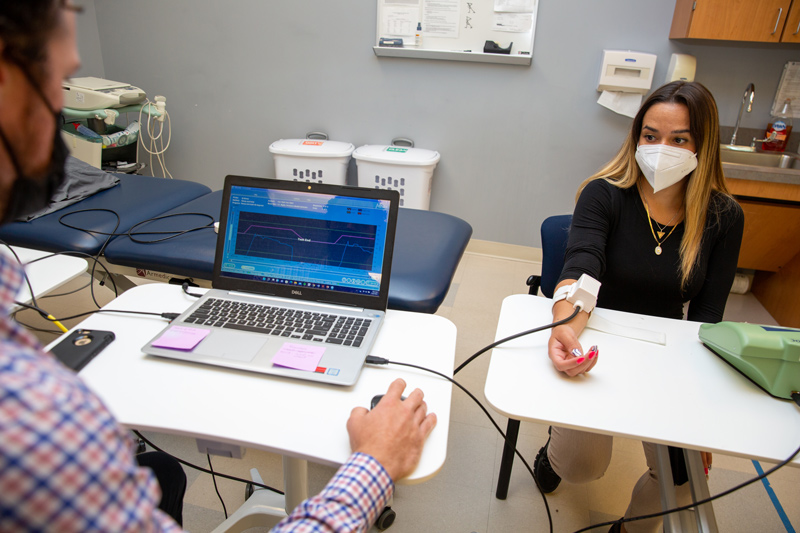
<point x="25" y="29"/>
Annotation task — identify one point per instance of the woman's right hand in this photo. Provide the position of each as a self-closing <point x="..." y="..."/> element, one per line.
<point x="563" y="341"/>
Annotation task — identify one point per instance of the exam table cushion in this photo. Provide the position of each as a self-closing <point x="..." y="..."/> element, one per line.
<point x="81" y="180"/>
<point x="428" y="248"/>
<point x="190" y="255"/>
<point x="134" y="199"/>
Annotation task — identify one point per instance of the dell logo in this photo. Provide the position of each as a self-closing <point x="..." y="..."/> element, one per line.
<point x="298" y="293"/>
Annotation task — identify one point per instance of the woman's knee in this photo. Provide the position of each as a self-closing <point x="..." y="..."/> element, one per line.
<point x="580" y="469"/>
<point x="579" y="457"/>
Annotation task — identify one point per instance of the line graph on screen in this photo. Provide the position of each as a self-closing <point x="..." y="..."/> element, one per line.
<point x="306" y="240"/>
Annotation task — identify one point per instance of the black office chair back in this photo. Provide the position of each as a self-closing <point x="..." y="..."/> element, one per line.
<point x="555" y="231"/>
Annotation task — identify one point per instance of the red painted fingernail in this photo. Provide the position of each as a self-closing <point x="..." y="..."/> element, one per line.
<point x="592" y="354"/>
<point x="580" y="360"/>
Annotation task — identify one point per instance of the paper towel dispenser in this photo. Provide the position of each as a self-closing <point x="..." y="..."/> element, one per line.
<point x="681" y="67"/>
<point x="626" y="71"/>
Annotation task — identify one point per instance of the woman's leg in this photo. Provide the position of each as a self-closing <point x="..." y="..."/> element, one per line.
<point x="579" y="456"/>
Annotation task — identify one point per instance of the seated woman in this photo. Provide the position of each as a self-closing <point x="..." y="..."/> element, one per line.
<point x="658" y="228"/>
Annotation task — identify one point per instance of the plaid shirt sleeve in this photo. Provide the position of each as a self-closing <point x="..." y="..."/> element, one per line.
<point x="350" y="502"/>
<point x="65" y="463"/>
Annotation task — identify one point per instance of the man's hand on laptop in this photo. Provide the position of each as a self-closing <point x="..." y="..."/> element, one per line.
<point x="394" y="432"/>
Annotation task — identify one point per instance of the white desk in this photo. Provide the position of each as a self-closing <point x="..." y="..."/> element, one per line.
<point x="47" y="274"/>
<point x="676" y="394"/>
<point x="299" y="419"/>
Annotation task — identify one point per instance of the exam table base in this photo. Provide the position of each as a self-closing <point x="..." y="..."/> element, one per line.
<point x="704" y="519"/>
<point x="265" y="508"/>
<point x="123" y="275"/>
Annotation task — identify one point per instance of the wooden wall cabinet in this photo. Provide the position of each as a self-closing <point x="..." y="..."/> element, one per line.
<point x="771" y="221"/>
<point x="770" y="244"/>
<point x="791" y="31"/>
<point x="769" y="21"/>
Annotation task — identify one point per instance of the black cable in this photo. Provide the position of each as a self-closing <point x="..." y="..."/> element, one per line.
<point x="214" y="479"/>
<point x="102" y="248"/>
<point x="130" y="233"/>
<point x="24" y="274"/>
<point x="168" y="316"/>
<point x="96" y="262"/>
<point x="172" y="233"/>
<point x="205" y="470"/>
<point x="516" y="335"/>
<point x="185" y="287"/>
<point x="60" y="294"/>
<point x="44" y="314"/>
<point x="381" y="361"/>
<point x="33" y="328"/>
<point x="34" y="305"/>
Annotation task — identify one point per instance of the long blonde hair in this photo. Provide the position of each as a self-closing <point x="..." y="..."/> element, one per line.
<point x="623" y="171"/>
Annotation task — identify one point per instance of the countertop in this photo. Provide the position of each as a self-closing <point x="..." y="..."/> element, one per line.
<point x="756" y="173"/>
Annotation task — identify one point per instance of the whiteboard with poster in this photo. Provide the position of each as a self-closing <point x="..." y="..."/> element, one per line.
<point x="457" y="29"/>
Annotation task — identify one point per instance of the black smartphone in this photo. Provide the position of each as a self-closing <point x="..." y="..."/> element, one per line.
<point x="81" y="346"/>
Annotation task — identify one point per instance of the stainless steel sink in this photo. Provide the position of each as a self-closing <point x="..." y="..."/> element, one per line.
<point x="759" y="159"/>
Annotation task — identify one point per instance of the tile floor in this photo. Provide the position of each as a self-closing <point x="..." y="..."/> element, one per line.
<point x="461" y="498"/>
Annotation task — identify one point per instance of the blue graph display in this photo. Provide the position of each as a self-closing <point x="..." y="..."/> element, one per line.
<point x="306" y="240"/>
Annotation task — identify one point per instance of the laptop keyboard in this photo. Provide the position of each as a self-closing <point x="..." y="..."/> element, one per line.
<point x="281" y="322"/>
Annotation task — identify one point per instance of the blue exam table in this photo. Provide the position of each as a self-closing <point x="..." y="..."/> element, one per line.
<point x="428" y="245"/>
<point x="135" y="198"/>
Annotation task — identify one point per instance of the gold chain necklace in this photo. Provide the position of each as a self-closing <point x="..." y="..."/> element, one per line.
<point x="660" y="233"/>
<point x="661" y="228"/>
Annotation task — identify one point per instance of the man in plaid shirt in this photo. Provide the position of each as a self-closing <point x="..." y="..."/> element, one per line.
<point x="65" y="463"/>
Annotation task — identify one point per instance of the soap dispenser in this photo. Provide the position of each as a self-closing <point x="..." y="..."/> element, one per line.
<point x="779" y="128"/>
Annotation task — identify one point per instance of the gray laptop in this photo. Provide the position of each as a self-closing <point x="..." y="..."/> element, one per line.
<point x="301" y="281"/>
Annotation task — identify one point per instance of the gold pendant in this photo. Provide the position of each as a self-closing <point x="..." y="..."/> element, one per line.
<point x="658" y="250"/>
<point x="660" y="234"/>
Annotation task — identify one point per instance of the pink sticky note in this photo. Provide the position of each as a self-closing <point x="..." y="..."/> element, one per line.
<point x="299" y="356"/>
<point x="181" y="338"/>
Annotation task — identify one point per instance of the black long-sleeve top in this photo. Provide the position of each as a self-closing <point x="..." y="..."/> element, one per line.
<point x="610" y="239"/>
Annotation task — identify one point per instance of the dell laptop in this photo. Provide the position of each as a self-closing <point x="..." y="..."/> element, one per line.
<point x="300" y="284"/>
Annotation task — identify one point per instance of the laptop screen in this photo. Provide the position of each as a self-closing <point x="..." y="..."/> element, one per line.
<point x="306" y="239"/>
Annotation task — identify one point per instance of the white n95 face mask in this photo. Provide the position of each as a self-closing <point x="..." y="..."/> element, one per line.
<point x="664" y="165"/>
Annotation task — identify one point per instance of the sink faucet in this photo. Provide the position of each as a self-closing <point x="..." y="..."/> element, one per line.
<point x="750" y="91"/>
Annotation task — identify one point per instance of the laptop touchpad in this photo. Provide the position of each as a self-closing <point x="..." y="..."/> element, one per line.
<point x="228" y="345"/>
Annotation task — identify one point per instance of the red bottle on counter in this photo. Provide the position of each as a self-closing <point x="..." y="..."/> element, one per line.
<point x="779" y="128"/>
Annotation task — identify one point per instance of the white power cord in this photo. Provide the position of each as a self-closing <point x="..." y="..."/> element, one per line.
<point x="155" y="132"/>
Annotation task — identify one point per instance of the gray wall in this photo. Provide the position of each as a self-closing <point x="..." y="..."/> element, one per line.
<point x="89" y="42"/>
<point x="515" y="141"/>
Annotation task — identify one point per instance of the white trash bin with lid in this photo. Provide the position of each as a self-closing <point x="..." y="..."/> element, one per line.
<point x="395" y="167"/>
<point x="313" y="159"/>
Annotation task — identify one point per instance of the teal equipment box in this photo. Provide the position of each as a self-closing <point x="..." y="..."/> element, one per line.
<point x="767" y="355"/>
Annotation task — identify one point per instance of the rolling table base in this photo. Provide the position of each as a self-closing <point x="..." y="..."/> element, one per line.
<point x="265" y="508"/>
